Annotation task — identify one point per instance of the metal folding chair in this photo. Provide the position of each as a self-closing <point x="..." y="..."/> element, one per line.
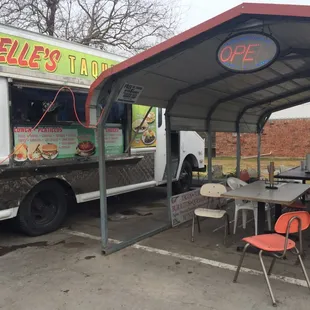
<point x="288" y="223"/>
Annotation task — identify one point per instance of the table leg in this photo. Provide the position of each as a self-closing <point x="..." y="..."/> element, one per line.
<point x="261" y="218"/>
<point x="278" y="211"/>
<point x="260" y="227"/>
<point x="303" y="197"/>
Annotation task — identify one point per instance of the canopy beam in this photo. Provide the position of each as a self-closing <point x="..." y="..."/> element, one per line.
<point x="261" y="125"/>
<point x="283" y="107"/>
<point x="194" y="87"/>
<point x="257" y="87"/>
<point x="213" y="80"/>
<point x="272" y="99"/>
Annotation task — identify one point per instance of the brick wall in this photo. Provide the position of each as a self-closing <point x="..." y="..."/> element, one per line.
<point x="284" y="138"/>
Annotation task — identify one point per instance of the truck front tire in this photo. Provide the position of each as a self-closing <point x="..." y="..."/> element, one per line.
<point x="43" y="210"/>
<point x="184" y="183"/>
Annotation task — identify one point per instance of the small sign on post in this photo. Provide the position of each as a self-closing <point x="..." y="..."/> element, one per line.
<point x="129" y="94"/>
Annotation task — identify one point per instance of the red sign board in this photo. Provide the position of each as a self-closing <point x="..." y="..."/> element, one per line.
<point x="247" y="52"/>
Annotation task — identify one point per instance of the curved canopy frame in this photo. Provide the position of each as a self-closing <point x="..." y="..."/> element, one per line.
<point x="183" y="76"/>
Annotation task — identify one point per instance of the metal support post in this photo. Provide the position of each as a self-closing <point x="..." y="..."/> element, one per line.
<point x="238" y="152"/>
<point x="102" y="170"/>
<point x="209" y="153"/>
<point x="168" y="163"/>
<point x="102" y="187"/>
<point x="259" y="134"/>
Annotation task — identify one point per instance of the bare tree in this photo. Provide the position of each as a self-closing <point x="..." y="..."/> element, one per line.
<point x="129" y="25"/>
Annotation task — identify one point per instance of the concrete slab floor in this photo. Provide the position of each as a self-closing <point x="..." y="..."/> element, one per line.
<point x="61" y="271"/>
<point x="74" y="275"/>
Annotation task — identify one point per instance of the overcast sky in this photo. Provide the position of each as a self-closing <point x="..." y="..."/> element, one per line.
<point x="199" y="11"/>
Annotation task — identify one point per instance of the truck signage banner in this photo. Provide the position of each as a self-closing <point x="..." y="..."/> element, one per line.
<point x="23" y="53"/>
<point x="49" y="143"/>
<point x="145" y="136"/>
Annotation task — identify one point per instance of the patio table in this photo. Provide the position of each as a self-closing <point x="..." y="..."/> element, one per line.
<point x="294" y="174"/>
<point x="286" y="194"/>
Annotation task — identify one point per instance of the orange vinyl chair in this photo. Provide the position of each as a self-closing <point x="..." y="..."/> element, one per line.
<point x="277" y="245"/>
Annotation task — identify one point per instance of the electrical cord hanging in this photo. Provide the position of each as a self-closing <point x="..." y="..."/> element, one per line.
<point x="46" y="111"/>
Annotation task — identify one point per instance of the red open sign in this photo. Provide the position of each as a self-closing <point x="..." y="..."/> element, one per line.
<point x="247" y="52"/>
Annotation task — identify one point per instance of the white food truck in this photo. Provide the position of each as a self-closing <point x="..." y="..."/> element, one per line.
<point x="44" y="163"/>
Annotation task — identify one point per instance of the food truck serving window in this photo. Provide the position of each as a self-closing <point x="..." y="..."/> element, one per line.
<point x="59" y="135"/>
<point x="29" y="104"/>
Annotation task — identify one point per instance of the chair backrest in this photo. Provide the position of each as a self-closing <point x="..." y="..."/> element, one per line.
<point x="290" y="221"/>
<point x="213" y="190"/>
<point x="235" y="183"/>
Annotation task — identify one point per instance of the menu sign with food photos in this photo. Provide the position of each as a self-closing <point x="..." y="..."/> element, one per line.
<point x="49" y="143"/>
<point x="145" y="135"/>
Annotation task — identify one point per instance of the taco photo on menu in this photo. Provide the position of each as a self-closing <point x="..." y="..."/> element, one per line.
<point x="35" y="151"/>
<point x="49" y="151"/>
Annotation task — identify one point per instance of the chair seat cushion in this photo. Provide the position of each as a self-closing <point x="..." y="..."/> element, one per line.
<point x="209" y="213"/>
<point x="270" y="242"/>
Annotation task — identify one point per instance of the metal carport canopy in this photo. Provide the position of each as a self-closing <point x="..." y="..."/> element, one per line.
<point x="183" y="75"/>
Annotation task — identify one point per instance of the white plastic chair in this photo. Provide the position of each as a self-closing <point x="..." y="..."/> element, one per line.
<point x="235" y="183"/>
<point x="212" y="190"/>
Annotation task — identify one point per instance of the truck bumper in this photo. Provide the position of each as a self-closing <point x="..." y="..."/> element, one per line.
<point x="8" y="213"/>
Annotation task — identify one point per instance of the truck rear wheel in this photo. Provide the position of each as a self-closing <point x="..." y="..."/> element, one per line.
<point x="185" y="180"/>
<point x="44" y="209"/>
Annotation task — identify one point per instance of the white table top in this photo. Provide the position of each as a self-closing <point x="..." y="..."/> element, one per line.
<point x="286" y="193"/>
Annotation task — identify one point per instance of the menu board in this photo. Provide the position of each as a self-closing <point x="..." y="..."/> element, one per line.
<point x="145" y="136"/>
<point x="49" y="142"/>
